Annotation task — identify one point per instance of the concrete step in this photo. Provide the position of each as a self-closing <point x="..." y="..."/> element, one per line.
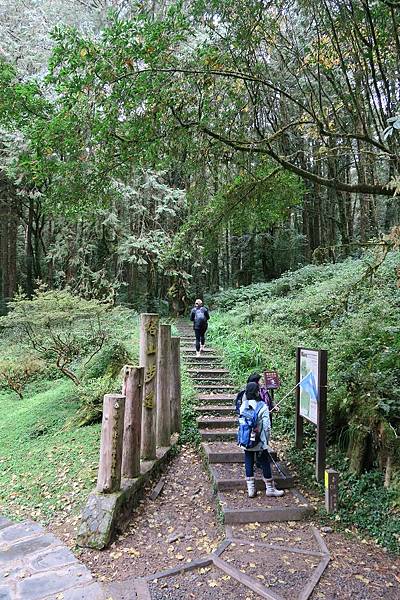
<point x="226" y="453"/>
<point x="212" y="422"/>
<point x="231" y="476"/>
<point x="237" y="507"/>
<point x="216" y="409"/>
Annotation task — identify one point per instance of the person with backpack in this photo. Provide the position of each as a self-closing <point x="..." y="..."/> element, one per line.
<point x="200" y="316"/>
<point x="253" y="436"/>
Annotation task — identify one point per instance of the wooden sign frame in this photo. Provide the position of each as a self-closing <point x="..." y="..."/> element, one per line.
<point x="320" y="410"/>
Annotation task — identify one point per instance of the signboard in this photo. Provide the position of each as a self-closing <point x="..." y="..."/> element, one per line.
<point x="309" y="364"/>
<point x="311" y="385"/>
<point x="271" y="380"/>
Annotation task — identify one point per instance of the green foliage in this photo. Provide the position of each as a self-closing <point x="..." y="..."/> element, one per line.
<point x="190" y="431"/>
<point x="91" y="394"/>
<point x="107" y="362"/>
<point x="59" y="326"/>
<point x="364" y="503"/>
<point x="16" y="373"/>
<point x="356" y="318"/>
<point x="285" y="285"/>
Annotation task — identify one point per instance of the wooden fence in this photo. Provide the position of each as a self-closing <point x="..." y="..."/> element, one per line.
<point x="147" y="412"/>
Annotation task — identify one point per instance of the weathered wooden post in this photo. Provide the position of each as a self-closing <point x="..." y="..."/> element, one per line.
<point x="112" y="430"/>
<point x="132" y="388"/>
<point x="331" y="490"/>
<point x="175" y="385"/>
<point x="163" y="387"/>
<point x="148" y="360"/>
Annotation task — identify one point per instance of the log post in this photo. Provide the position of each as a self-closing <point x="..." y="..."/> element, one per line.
<point x="163" y="387"/>
<point x="132" y="388"/>
<point x="112" y="431"/>
<point x="148" y="360"/>
<point x="175" y="385"/>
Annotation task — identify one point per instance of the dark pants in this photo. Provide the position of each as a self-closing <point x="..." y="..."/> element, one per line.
<point x="200" y="337"/>
<point x="262" y="458"/>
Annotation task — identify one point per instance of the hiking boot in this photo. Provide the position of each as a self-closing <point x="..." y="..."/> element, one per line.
<point x="251" y="487"/>
<point x="270" y="489"/>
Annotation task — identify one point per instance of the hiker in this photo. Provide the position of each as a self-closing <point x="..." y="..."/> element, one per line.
<point x="199" y="316"/>
<point x="264" y="394"/>
<point x="255" y="441"/>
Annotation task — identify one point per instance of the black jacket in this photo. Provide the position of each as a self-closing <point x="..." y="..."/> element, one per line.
<point x="199" y="322"/>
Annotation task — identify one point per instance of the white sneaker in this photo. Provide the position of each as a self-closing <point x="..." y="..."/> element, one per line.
<point x="197" y="353"/>
<point x="202" y="348"/>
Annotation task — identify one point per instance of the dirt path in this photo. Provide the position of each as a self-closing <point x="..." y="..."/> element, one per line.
<point x="176" y="547"/>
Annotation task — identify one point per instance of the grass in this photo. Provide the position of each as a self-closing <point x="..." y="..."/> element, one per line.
<point x="46" y="472"/>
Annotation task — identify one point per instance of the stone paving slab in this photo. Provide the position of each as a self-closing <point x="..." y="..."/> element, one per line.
<point x="35" y="565"/>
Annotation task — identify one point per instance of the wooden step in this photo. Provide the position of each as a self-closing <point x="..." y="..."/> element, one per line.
<point x="190" y="350"/>
<point x="238" y="508"/>
<point x="227" y="453"/>
<point x="218" y="409"/>
<point x="213" y="398"/>
<point x="200" y="387"/>
<point x="210" y="380"/>
<point x="231" y="476"/>
<point x="204" y="372"/>
<point x="213" y="422"/>
<point x="202" y="361"/>
<point x="218" y="434"/>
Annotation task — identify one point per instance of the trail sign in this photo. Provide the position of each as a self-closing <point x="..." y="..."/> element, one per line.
<point x="271" y="380"/>
<point x="311" y="380"/>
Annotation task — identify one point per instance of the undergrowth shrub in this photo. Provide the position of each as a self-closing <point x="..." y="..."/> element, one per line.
<point x="16" y="373"/>
<point x="350" y="309"/>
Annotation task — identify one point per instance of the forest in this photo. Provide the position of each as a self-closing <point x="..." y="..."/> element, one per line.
<point x="247" y="153"/>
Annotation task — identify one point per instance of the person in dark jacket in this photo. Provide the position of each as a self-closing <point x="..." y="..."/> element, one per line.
<point x="200" y="317"/>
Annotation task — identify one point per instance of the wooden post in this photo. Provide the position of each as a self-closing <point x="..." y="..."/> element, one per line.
<point x="163" y="387"/>
<point x="132" y="388"/>
<point x="112" y="431"/>
<point x="331" y="490"/>
<point x="299" y="425"/>
<point x="148" y="360"/>
<point x="175" y="385"/>
<point x="321" y="427"/>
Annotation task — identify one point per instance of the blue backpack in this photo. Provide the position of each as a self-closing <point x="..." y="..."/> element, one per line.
<point x="248" y="435"/>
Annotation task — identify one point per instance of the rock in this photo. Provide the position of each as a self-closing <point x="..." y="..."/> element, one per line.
<point x="326" y="529"/>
